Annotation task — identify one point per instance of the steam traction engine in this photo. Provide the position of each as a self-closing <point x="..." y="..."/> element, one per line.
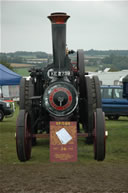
<point x="60" y="93"/>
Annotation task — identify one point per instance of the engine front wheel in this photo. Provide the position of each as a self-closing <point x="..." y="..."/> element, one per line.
<point x="23" y="136"/>
<point x="99" y="135"/>
<point x="1" y="115"/>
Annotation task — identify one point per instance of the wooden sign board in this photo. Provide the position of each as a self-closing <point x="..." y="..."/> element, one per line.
<point x="63" y="141"/>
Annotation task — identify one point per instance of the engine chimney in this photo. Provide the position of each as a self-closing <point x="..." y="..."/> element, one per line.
<point x="58" y="21"/>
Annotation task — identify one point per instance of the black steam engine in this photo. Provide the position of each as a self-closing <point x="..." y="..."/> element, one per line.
<point x="60" y="92"/>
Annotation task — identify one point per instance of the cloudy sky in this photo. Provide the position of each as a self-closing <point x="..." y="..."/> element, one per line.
<point x="101" y="25"/>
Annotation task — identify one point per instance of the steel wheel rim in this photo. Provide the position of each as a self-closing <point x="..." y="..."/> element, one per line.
<point x="27" y="136"/>
<point x="99" y="136"/>
<point x="23" y="136"/>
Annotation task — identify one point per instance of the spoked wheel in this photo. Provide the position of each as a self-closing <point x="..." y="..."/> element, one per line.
<point x="81" y="70"/>
<point x="34" y="131"/>
<point x="99" y="135"/>
<point x="23" y="136"/>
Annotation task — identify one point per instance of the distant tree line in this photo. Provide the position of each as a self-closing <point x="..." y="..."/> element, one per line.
<point x="114" y="62"/>
<point x="22" y="56"/>
<point x="106" y="52"/>
<point x="6" y="64"/>
<point x="27" y="54"/>
<point x="115" y="59"/>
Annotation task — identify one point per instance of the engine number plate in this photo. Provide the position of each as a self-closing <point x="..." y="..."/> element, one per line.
<point x="59" y="73"/>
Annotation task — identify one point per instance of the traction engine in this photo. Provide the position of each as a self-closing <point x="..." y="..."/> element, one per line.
<point x="60" y="92"/>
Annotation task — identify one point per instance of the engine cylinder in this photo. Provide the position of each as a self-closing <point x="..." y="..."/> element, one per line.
<point x="60" y="98"/>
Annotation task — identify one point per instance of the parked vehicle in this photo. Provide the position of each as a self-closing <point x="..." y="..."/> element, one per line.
<point x="113" y="103"/>
<point x="5" y="109"/>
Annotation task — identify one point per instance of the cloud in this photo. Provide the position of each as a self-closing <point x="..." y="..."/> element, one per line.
<point x="93" y="24"/>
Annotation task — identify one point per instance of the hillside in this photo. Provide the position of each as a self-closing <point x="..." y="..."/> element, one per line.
<point x="99" y="59"/>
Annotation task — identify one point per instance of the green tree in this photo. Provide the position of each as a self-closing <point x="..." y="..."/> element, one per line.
<point x="116" y="62"/>
<point x="6" y="64"/>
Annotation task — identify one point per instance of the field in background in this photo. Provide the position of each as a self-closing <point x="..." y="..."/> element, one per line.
<point x="91" y="68"/>
<point x="22" y="71"/>
<point x="20" y="65"/>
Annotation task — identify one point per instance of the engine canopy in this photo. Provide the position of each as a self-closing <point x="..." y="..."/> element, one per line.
<point x="60" y="98"/>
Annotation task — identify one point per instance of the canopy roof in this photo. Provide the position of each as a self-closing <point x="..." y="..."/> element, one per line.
<point x="8" y="77"/>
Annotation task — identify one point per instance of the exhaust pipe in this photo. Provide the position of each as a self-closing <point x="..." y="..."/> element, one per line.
<point x="58" y="21"/>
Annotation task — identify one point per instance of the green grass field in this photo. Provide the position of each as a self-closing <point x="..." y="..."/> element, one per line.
<point x="117" y="144"/>
<point x="22" y="71"/>
<point x="91" y="68"/>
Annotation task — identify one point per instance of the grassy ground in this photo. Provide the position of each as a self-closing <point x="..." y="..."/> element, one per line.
<point x="117" y="144"/>
<point x="91" y="68"/>
<point x="22" y="71"/>
<point x="85" y="176"/>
